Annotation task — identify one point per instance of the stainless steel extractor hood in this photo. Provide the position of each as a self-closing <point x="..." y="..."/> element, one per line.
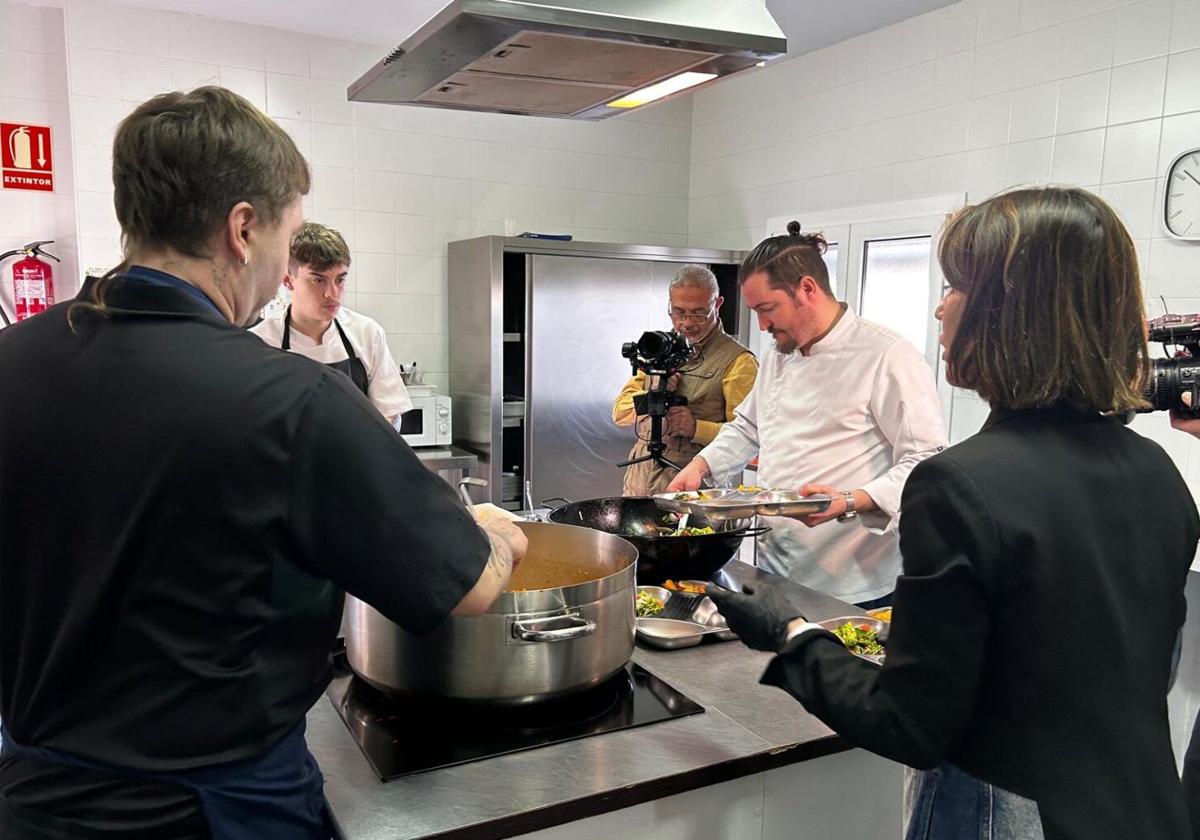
<point x="581" y="59"/>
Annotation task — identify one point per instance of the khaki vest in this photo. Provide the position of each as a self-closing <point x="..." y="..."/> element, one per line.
<point x="700" y="381"/>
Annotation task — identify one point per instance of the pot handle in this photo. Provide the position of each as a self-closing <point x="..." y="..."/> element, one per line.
<point x="527" y="629"/>
<point x="464" y="493"/>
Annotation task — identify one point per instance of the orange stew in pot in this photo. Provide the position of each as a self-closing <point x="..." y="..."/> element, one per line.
<point x="549" y="573"/>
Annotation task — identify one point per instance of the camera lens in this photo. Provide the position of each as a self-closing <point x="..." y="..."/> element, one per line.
<point x="653" y="344"/>
<point x="1169" y="380"/>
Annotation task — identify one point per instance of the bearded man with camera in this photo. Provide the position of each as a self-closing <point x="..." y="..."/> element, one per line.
<point x="712" y="382"/>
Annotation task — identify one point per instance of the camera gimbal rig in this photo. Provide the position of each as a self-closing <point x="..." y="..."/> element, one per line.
<point x="658" y="354"/>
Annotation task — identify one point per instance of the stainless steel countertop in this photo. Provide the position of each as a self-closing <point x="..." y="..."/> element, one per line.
<point x="746" y="728"/>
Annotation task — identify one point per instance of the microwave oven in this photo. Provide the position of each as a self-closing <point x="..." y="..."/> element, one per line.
<point x="428" y="423"/>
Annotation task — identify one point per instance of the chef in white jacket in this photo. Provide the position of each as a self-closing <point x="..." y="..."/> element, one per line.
<point x="844" y="407"/>
<point x="316" y="325"/>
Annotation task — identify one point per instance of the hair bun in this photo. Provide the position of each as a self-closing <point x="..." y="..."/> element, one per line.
<point x="793" y="228"/>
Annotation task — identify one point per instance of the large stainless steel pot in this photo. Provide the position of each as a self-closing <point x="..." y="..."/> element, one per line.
<point x="529" y="646"/>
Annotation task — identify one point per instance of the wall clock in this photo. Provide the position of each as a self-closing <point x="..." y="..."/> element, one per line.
<point x="1181" y="198"/>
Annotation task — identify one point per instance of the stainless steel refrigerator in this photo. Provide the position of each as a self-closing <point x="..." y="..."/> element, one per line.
<point x="536" y="328"/>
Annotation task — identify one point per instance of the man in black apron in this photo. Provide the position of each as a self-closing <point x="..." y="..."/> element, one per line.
<point x="317" y="275"/>
<point x="182" y="508"/>
<point x="351" y="366"/>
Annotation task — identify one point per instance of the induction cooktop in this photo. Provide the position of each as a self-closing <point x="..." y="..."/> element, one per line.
<point x="401" y="735"/>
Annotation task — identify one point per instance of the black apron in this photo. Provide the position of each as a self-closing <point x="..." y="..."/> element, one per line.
<point x="352" y="366"/>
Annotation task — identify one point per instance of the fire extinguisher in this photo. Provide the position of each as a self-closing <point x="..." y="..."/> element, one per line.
<point x="33" y="281"/>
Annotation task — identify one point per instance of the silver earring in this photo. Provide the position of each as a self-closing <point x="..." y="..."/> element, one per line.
<point x="245" y="261"/>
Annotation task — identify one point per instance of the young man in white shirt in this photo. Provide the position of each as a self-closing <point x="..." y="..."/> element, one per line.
<point x="317" y="326"/>
<point x="843" y="407"/>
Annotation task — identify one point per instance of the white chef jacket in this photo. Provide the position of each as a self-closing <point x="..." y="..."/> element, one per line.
<point x="858" y="413"/>
<point x="385" y="387"/>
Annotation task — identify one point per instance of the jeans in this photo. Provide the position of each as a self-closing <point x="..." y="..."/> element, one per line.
<point x="953" y="805"/>
<point x="1191" y="778"/>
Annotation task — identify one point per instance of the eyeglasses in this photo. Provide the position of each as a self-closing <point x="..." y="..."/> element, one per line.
<point x="693" y="314"/>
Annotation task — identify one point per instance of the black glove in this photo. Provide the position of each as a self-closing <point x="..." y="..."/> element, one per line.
<point x="760" y="617"/>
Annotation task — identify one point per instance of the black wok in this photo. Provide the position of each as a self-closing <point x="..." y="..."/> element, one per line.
<point x="660" y="557"/>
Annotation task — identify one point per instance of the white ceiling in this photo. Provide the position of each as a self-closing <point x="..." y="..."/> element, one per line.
<point x="809" y="24"/>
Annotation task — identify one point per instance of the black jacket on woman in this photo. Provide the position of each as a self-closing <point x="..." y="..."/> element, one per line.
<point x="1044" y="566"/>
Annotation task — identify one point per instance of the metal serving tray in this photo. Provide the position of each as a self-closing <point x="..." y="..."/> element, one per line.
<point x="875" y="624"/>
<point x="704" y="622"/>
<point x="669" y="633"/>
<point x="722" y="505"/>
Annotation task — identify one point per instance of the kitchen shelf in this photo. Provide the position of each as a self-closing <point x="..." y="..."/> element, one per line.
<point x="512" y="338"/>
<point x="512" y="422"/>
<point x="514" y="408"/>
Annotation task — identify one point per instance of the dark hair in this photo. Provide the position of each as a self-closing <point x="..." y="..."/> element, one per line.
<point x="1053" y="310"/>
<point x="319" y="247"/>
<point x="789" y="258"/>
<point x="181" y="161"/>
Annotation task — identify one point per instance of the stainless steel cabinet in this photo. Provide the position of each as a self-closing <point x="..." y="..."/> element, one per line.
<point x="536" y="329"/>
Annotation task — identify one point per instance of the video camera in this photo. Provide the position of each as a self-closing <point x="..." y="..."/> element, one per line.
<point x="1170" y="379"/>
<point x="658" y="354"/>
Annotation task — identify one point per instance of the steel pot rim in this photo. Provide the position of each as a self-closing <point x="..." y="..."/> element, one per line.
<point x="576" y="594"/>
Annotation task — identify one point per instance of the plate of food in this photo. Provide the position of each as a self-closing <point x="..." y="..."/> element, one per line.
<point x="698" y="611"/>
<point x="650" y="601"/>
<point x="704" y="503"/>
<point x="862" y="635"/>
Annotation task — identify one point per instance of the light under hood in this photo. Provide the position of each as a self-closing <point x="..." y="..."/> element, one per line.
<point x="570" y="59"/>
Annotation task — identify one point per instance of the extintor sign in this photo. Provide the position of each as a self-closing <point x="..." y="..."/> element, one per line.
<point x="27" y="163"/>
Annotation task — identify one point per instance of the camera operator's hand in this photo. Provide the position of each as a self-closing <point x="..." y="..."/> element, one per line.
<point x="680" y="423"/>
<point x="1186" y="422"/>
<point x="690" y="477"/>
<point x="652" y="382"/>
<point x="1189" y="420"/>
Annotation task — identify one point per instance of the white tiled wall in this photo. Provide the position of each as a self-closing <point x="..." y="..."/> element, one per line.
<point x="397" y="182"/>
<point x="33" y="89"/>
<point x="974" y="97"/>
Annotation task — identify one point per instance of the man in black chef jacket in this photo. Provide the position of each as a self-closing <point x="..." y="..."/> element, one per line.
<point x="181" y="507"/>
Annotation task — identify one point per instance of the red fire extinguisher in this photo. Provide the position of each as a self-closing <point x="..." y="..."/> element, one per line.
<point x="33" y="280"/>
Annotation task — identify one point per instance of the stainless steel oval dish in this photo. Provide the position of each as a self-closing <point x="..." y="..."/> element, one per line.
<point x="832" y="624"/>
<point x="669" y="633"/>
<point x="725" y="505"/>
<point x="531" y="645"/>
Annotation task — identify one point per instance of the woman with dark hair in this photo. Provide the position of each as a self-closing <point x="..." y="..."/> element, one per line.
<point x="1044" y="559"/>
